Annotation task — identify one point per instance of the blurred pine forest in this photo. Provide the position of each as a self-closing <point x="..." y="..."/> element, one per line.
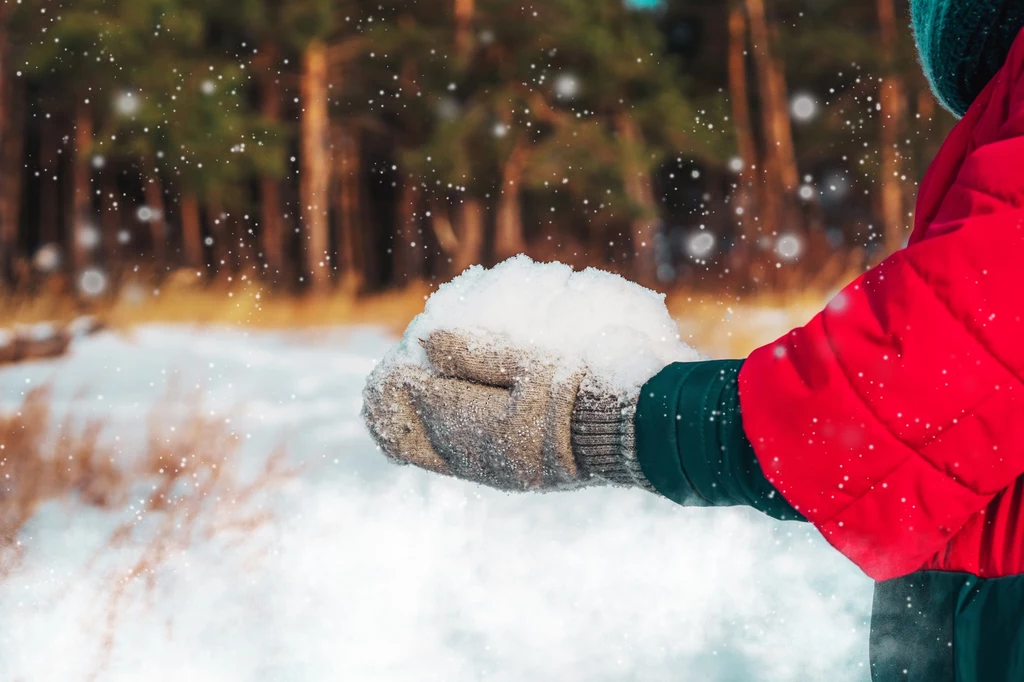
<point x="333" y="145"/>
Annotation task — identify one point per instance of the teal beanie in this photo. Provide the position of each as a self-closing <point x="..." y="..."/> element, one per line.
<point x="963" y="43"/>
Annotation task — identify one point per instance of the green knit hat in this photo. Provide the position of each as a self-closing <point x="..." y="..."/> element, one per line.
<point x="963" y="43"/>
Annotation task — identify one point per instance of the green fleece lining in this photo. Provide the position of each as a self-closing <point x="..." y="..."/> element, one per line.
<point x="690" y="440"/>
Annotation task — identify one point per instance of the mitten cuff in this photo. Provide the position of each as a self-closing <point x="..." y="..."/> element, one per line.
<point x="604" y="436"/>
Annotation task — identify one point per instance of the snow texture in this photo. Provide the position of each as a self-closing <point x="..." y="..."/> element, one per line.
<point x="373" y="573"/>
<point x="616" y="328"/>
<point x="38" y="332"/>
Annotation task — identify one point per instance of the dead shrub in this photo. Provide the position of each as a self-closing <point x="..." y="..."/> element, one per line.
<point x="37" y="465"/>
<point x="189" y="472"/>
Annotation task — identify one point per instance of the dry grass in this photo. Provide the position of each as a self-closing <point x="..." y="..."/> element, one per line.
<point x="36" y="466"/>
<point x="248" y="304"/>
<point x="731" y="328"/>
<point x="731" y="325"/>
<point x="242" y="303"/>
<point x="187" y="470"/>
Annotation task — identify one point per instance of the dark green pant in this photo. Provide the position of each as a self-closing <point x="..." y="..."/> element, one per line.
<point x="948" y="627"/>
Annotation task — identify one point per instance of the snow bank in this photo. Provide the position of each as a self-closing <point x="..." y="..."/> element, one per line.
<point x="612" y="325"/>
<point x="366" y="572"/>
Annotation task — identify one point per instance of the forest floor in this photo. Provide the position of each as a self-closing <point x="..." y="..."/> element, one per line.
<point x="202" y="502"/>
<point x="720" y="323"/>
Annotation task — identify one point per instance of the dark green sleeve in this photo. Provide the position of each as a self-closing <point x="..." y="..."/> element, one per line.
<point x="691" y="445"/>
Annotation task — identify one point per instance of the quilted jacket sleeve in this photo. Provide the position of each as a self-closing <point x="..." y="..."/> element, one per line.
<point x="897" y="413"/>
<point x="691" y="445"/>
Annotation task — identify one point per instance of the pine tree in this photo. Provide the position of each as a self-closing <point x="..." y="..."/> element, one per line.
<point x="10" y="143"/>
<point x="892" y="99"/>
<point x="608" y="64"/>
<point x="116" y="61"/>
<point x="442" y="133"/>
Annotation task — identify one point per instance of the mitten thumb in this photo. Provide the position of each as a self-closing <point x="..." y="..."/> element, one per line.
<point x="488" y="359"/>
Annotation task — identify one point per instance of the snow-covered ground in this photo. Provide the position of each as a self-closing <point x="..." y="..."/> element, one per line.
<point x="370" y="572"/>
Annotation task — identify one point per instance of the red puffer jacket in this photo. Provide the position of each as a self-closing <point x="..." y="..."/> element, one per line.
<point x="894" y="420"/>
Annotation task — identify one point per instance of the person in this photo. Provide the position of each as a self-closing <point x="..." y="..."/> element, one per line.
<point x="893" y="421"/>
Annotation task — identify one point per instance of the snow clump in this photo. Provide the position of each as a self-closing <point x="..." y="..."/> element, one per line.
<point x="613" y="326"/>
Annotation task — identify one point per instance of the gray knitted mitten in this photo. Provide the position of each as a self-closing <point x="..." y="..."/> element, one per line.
<point x="503" y="415"/>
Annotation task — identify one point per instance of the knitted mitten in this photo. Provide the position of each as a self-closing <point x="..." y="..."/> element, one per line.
<point x="507" y="416"/>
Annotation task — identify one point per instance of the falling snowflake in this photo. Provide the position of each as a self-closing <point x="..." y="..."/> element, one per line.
<point x="92" y="282"/>
<point x="804" y="107"/>
<point x="47" y="258"/>
<point x="789" y="246"/>
<point x="567" y="86"/>
<point x="837" y="186"/>
<point x="700" y="244"/>
<point x="88" y="237"/>
<point x="126" y="104"/>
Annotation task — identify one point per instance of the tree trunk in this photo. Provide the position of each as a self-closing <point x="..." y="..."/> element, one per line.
<point x="82" y="219"/>
<point x="154" y="192"/>
<point x="372" y="254"/>
<point x="191" y="231"/>
<point x="782" y="126"/>
<point x="471" y="236"/>
<point x="892" y="99"/>
<point x="408" y="246"/>
<point x="11" y="147"/>
<point x="346" y="170"/>
<point x="315" y="178"/>
<point x="8" y="228"/>
<point x="217" y="228"/>
<point x="779" y="171"/>
<point x="637" y="183"/>
<point x="270" y="188"/>
<point x="49" y="190"/>
<point x="464" y="11"/>
<point x="234" y="237"/>
<point x="508" y="238"/>
<point x="5" y="84"/>
<point x="739" y="99"/>
<point x="110" y="220"/>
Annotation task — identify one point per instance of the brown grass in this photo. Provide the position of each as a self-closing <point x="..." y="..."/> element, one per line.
<point x="189" y="471"/>
<point x="36" y="466"/>
<point x="731" y="328"/>
<point x="705" y="316"/>
<point x="246" y="303"/>
<point x="195" y="495"/>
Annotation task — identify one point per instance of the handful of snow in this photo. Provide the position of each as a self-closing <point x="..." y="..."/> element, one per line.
<point x="615" y="327"/>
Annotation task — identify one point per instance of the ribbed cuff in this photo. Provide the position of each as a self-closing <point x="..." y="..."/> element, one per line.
<point x="604" y="436"/>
